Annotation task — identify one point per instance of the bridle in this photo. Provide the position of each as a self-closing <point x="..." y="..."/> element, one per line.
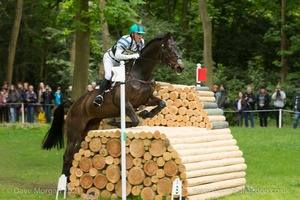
<point x="165" y="58"/>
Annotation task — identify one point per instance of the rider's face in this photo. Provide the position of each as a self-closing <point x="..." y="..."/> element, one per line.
<point x="137" y="37"/>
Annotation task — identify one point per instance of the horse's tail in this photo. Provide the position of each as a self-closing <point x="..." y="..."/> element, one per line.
<point x="55" y="137"/>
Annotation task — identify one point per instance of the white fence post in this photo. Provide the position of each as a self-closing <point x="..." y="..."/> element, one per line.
<point x="62" y="186"/>
<point x="197" y="75"/>
<point x="119" y="75"/>
<point x="280" y="118"/>
<point x="23" y="113"/>
<point x="177" y="189"/>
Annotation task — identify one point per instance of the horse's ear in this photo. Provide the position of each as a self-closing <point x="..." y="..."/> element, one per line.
<point x="167" y="36"/>
<point x="176" y="36"/>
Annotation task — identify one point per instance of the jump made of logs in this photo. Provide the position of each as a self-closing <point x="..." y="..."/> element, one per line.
<point x="185" y="106"/>
<point x="208" y="162"/>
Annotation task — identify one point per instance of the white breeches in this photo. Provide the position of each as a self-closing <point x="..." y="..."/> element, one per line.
<point x="109" y="63"/>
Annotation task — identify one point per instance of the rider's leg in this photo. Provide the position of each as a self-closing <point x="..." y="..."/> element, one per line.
<point x="108" y="65"/>
<point x="99" y="98"/>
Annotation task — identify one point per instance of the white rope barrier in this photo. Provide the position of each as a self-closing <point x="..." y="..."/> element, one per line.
<point x="273" y="110"/>
<point x="281" y="111"/>
<point x="232" y="111"/>
<point x="23" y="106"/>
<point x="254" y="111"/>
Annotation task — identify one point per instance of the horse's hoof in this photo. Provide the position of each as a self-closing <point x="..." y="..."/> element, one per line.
<point x="128" y="125"/>
<point x="144" y="114"/>
<point x="112" y="122"/>
<point x="118" y="124"/>
<point x="150" y="115"/>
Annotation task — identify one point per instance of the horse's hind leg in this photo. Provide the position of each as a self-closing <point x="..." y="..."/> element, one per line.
<point x="67" y="159"/>
<point x="92" y="125"/>
<point x="153" y="101"/>
<point x="74" y="143"/>
<point x="74" y="128"/>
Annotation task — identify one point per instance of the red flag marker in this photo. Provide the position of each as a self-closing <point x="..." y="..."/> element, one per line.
<point x="201" y="73"/>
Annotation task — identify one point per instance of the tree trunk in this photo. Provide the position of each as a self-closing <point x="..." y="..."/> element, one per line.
<point x="80" y="79"/>
<point x="73" y="51"/>
<point x="283" y="48"/>
<point x="105" y="34"/>
<point x="13" y="41"/>
<point x="207" y="29"/>
<point x="42" y="68"/>
<point x="185" y="23"/>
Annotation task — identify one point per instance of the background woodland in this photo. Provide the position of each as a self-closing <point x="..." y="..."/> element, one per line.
<point x="61" y="42"/>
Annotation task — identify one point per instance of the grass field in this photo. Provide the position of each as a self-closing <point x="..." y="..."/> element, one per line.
<point x="272" y="156"/>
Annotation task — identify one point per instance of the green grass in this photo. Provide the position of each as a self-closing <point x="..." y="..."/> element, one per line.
<point x="27" y="172"/>
<point x="272" y="156"/>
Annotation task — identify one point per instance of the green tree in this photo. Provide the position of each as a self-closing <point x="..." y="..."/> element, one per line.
<point x="246" y="39"/>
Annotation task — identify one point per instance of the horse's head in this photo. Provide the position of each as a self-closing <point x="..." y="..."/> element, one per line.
<point x="170" y="54"/>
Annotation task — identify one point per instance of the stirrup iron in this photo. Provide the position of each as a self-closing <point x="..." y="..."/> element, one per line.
<point x="98" y="100"/>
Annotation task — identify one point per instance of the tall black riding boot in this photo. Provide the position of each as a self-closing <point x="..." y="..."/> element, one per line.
<point x="99" y="99"/>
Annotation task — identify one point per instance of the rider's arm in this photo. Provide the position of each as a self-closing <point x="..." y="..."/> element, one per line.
<point x="124" y="44"/>
<point x="120" y="56"/>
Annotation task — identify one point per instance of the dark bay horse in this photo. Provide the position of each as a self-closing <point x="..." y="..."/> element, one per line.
<point x="83" y="116"/>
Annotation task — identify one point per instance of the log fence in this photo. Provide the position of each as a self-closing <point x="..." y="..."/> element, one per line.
<point x="205" y="160"/>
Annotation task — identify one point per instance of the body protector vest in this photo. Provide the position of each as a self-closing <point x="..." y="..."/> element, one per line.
<point x="126" y="45"/>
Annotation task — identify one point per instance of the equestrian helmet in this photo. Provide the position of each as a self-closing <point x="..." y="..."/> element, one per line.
<point x="137" y="28"/>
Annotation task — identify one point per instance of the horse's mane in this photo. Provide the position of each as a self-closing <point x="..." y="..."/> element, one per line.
<point x="159" y="37"/>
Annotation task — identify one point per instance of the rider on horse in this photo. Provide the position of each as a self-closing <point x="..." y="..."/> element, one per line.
<point x="133" y="42"/>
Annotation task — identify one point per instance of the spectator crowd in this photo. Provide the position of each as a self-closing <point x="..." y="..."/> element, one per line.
<point x="247" y="103"/>
<point x="44" y="100"/>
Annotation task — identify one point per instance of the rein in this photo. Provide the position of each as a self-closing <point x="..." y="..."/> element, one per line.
<point x="131" y="80"/>
<point x="163" y="59"/>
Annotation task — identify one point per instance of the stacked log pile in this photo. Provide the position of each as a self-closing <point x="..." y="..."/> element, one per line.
<point x="186" y="106"/>
<point x="208" y="162"/>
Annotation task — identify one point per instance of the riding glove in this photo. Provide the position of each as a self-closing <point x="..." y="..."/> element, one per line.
<point x="135" y="56"/>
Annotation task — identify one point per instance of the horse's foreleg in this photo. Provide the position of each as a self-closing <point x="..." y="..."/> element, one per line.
<point x="153" y="101"/>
